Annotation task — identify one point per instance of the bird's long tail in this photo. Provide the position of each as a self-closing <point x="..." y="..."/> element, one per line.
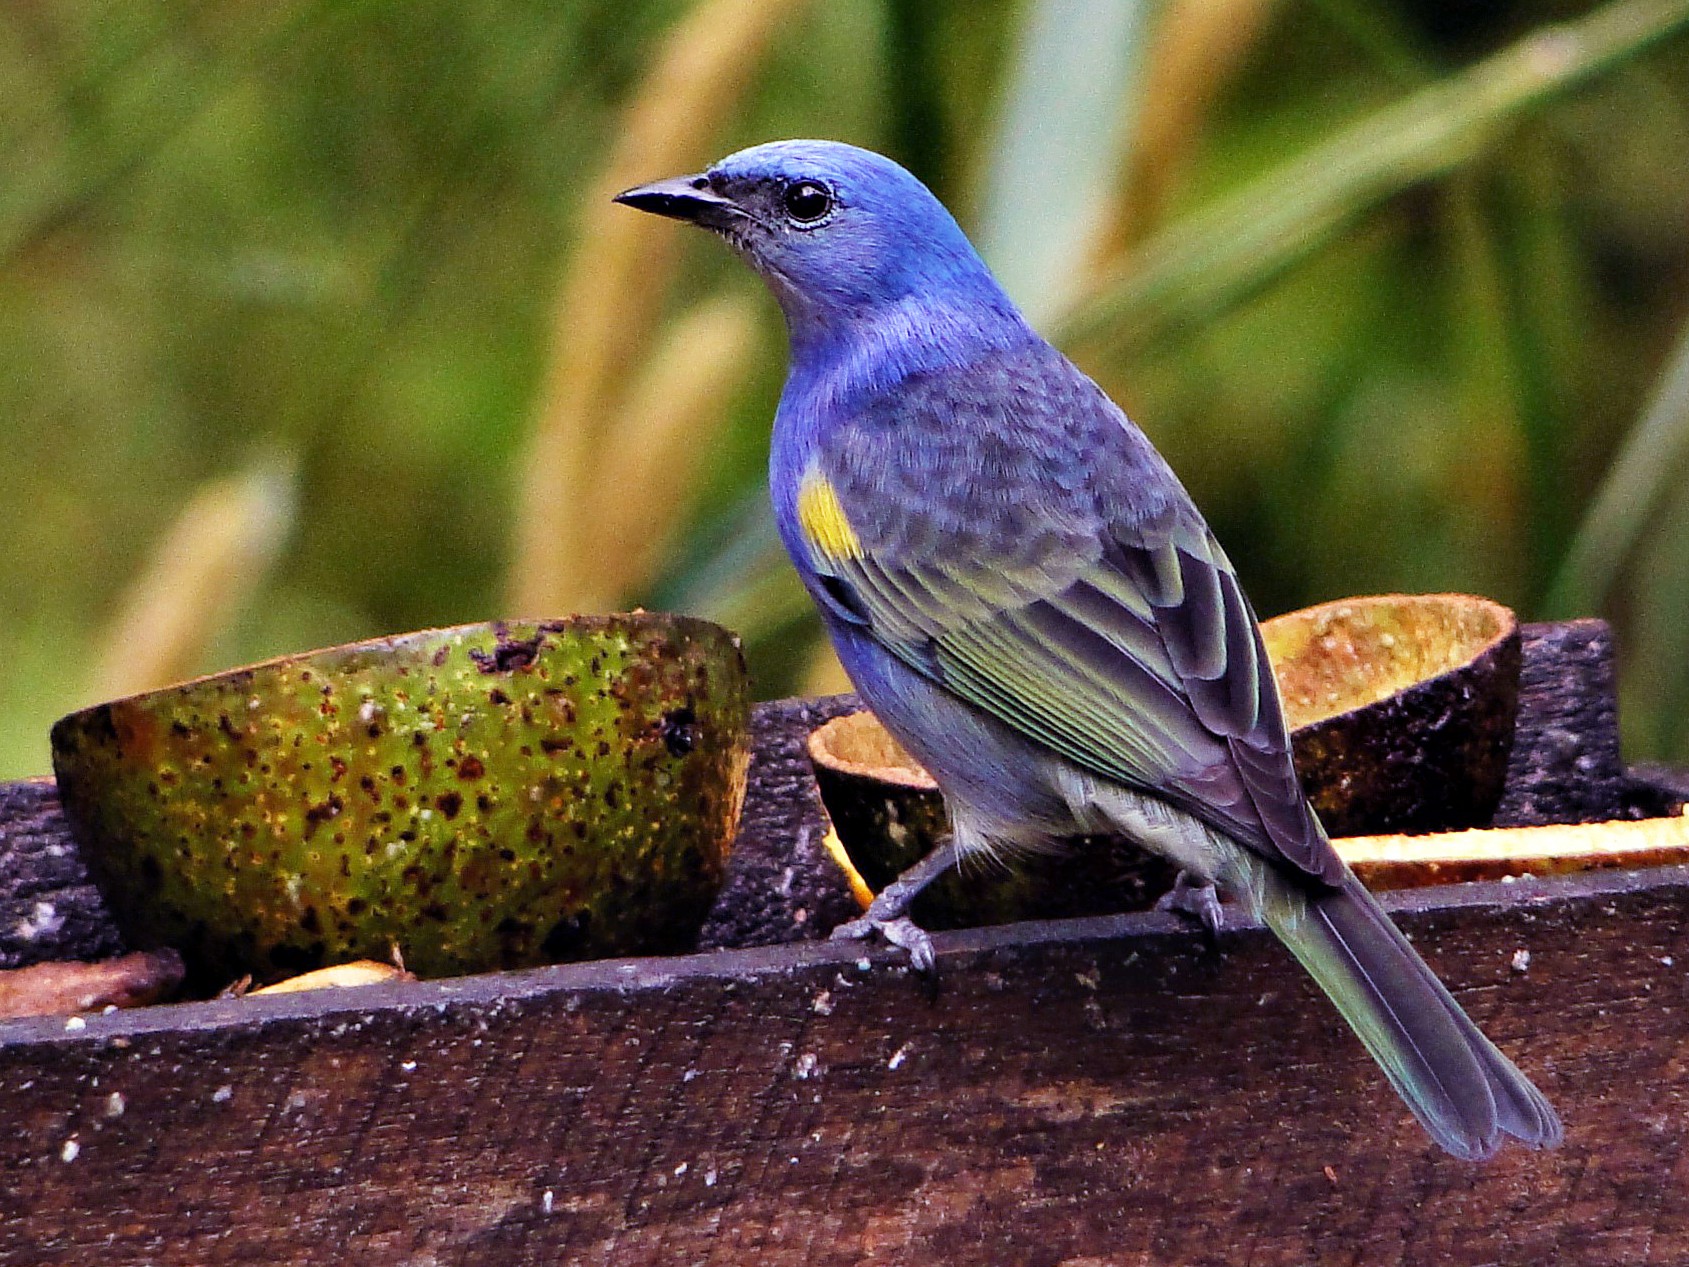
<point x="1462" y="1090"/>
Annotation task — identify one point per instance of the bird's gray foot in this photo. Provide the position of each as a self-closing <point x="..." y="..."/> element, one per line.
<point x="1197" y="898"/>
<point x="888" y="914"/>
<point x="899" y="930"/>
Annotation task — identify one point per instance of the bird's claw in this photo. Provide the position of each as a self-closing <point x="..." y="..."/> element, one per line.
<point x="898" y="930"/>
<point x="888" y="914"/>
<point x="1196" y="898"/>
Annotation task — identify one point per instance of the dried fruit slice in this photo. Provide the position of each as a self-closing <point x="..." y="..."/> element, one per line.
<point x="1401" y="707"/>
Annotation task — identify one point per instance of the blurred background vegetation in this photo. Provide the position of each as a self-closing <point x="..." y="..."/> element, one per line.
<point x="315" y="322"/>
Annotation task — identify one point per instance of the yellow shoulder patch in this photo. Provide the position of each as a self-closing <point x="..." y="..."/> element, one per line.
<point x="823" y="519"/>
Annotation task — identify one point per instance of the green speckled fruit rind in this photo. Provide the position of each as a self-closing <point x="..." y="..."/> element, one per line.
<point x="483" y="797"/>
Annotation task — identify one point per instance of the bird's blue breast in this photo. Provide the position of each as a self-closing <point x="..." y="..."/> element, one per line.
<point x="842" y="374"/>
<point x="796" y="442"/>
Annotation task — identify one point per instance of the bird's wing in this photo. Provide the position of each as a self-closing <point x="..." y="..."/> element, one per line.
<point x="1124" y="644"/>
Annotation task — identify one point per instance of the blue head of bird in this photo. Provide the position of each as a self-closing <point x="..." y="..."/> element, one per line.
<point x="852" y="246"/>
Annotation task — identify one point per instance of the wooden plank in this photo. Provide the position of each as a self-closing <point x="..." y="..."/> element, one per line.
<point x="1098" y="1091"/>
<point x="48" y="908"/>
<point x="781" y="885"/>
<point x="1564" y="766"/>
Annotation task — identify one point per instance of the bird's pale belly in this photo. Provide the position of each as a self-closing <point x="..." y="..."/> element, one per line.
<point x="1001" y="789"/>
<point x="996" y="783"/>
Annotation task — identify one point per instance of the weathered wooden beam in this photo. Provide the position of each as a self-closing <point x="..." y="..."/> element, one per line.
<point x="1110" y="1090"/>
<point x="1565" y="765"/>
<point x="781" y="886"/>
<point x="48" y="908"/>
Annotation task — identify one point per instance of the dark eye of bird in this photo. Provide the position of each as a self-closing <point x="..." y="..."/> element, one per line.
<point x="806" y="201"/>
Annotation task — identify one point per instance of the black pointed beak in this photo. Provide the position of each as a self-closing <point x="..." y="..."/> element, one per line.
<point x="687" y="198"/>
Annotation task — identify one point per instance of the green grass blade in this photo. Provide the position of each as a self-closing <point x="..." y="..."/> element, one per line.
<point x="197" y="578"/>
<point x="1219" y="256"/>
<point x="144" y="103"/>
<point x="1651" y="459"/>
<point x="1051" y="166"/>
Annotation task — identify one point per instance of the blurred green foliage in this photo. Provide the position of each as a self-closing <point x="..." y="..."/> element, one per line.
<point x="335" y="232"/>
